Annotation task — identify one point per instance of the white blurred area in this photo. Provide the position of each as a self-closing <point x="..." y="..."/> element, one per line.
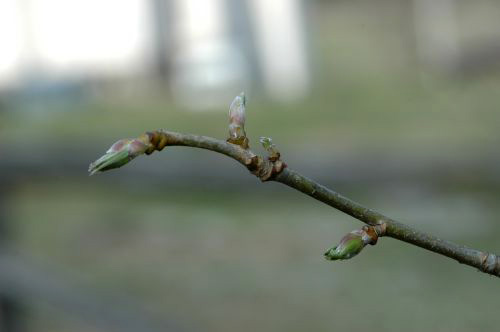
<point x="10" y="42"/>
<point x="67" y="38"/>
<point x="207" y="65"/>
<point x="437" y="34"/>
<point x="280" y="44"/>
<point x="212" y="49"/>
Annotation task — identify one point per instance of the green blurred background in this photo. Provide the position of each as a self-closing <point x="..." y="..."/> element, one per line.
<point x="400" y="112"/>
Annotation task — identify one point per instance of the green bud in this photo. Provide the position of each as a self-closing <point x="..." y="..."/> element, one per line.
<point x="267" y="143"/>
<point x="120" y="154"/>
<point x="350" y="245"/>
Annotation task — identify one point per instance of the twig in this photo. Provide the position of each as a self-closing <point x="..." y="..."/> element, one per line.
<point x="277" y="171"/>
<point x="273" y="169"/>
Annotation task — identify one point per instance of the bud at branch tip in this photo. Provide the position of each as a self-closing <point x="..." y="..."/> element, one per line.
<point x="120" y="154"/>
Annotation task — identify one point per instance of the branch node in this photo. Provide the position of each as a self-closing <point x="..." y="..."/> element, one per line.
<point x="381" y="228"/>
<point x="371" y="235"/>
<point x="158" y="141"/>
<point x="265" y="170"/>
<point x="241" y="141"/>
<point x="490" y="263"/>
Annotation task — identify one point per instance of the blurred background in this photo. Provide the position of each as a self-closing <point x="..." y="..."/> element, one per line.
<point x="393" y="103"/>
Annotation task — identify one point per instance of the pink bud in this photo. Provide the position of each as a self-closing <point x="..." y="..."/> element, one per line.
<point x="237" y="118"/>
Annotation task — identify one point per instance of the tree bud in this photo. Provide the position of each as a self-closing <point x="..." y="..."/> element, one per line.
<point x="120" y="154"/>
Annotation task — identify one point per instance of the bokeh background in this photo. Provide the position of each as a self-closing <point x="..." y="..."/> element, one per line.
<point x="393" y="103"/>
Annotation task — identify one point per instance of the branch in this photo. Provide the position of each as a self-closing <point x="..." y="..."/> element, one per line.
<point x="273" y="169"/>
<point x="276" y="171"/>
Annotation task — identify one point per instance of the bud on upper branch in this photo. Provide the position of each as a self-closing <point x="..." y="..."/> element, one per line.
<point x="237" y="133"/>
